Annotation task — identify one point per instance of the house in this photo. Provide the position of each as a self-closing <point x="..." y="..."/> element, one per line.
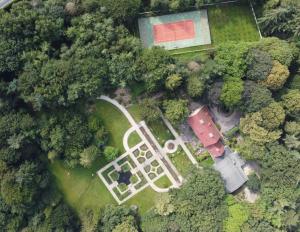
<point x="206" y="131"/>
<point x="230" y="166"/>
<point x="227" y="163"/>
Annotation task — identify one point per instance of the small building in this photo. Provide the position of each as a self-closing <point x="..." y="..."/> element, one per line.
<point x="227" y="163"/>
<point x="230" y="166"/>
<point x="205" y="129"/>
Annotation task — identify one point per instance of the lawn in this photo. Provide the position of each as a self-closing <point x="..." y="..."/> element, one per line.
<point x="114" y="121"/>
<point x="163" y="182"/>
<point x="181" y="161"/>
<point x="232" y="22"/>
<point x="228" y="22"/>
<point x="81" y="187"/>
<point x="134" y="139"/>
<point x="158" y="128"/>
<point x="145" y="200"/>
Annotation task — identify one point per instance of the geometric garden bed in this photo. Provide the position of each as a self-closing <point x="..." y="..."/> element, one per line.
<point x="131" y="172"/>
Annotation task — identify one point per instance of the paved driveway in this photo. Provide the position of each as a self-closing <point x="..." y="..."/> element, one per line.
<point x="4" y="3"/>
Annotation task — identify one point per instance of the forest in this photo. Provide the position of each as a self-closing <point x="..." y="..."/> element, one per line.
<point x="57" y="56"/>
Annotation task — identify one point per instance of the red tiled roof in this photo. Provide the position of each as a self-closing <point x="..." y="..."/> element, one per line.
<point x="206" y="130"/>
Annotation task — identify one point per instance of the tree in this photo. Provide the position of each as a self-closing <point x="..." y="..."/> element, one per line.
<point x="176" y="110"/>
<point x="202" y="196"/>
<point x="252" y="125"/>
<point x="280" y="21"/>
<point x="231" y="59"/>
<point x="61" y="82"/>
<point x="88" y="156"/>
<point x="272" y="116"/>
<point x="253" y="182"/>
<point x="291" y="102"/>
<point x="277" y="77"/>
<point x="238" y="215"/>
<point x="255" y="97"/>
<point x="122" y="10"/>
<point x="110" y="153"/>
<point x="195" y="86"/>
<point x="149" y="109"/>
<point x="232" y="90"/>
<point x="163" y="205"/>
<point x="173" y="82"/>
<point x="155" y="65"/>
<point x="279" y="50"/>
<point x="114" y="216"/>
<point x="259" y="64"/>
<point x="126" y="226"/>
<point x="214" y="93"/>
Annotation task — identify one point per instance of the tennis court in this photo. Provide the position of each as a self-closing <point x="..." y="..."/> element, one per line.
<point x="175" y="30"/>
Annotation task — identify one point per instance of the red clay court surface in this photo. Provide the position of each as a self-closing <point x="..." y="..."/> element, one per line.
<point x="179" y="30"/>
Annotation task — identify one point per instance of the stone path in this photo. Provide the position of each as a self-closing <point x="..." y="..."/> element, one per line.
<point x="180" y="141"/>
<point x="159" y="154"/>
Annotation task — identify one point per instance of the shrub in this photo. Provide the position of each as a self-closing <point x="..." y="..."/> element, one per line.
<point x="133" y="179"/>
<point x="253" y="183"/>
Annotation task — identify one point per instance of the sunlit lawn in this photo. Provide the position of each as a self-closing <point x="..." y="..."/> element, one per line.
<point x="158" y="128"/>
<point x="114" y="121"/>
<point x="228" y="22"/>
<point x="181" y="161"/>
<point x="232" y="22"/>
<point x="81" y="187"/>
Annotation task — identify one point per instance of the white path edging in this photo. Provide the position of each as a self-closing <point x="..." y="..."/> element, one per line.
<point x="136" y="127"/>
<point x="180" y="141"/>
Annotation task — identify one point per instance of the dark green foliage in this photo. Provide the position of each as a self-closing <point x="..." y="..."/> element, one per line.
<point x="115" y="215"/>
<point x="156" y="65"/>
<point x="259" y="65"/>
<point x="176" y="110"/>
<point x="279" y="50"/>
<point x="202" y="196"/>
<point x="149" y="109"/>
<point x="122" y="10"/>
<point x="281" y="19"/>
<point x="67" y="134"/>
<point x="231" y="59"/>
<point x="232" y="91"/>
<point x="61" y="82"/>
<point x="195" y="86"/>
<point x="255" y="97"/>
<point x="25" y="28"/>
<point x="214" y="93"/>
<point x="111" y="153"/>
<point x="280" y="177"/>
<point x="253" y="183"/>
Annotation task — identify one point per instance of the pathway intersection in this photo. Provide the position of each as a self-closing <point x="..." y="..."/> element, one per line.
<point x="147" y="160"/>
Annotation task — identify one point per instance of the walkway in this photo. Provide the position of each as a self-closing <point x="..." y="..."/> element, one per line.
<point x="180" y="141"/>
<point x="153" y="146"/>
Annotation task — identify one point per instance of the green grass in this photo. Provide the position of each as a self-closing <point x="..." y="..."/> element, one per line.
<point x="114" y="121"/>
<point x="145" y="200"/>
<point x="134" y="139"/>
<point x="80" y="189"/>
<point x="208" y="162"/>
<point x="232" y="22"/>
<point x="181" y="162"/>
<point x="158" y="128"/>
<point x="163" y="182"/>
<point x="228" y="22"/>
